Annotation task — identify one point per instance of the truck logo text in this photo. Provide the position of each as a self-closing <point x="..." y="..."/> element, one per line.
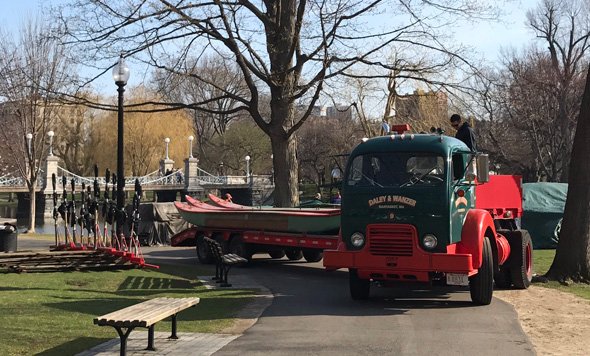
<point x="392" y="199"/>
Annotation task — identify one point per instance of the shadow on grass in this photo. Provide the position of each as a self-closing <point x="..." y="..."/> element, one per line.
<point x="73" y="347"/>
<point x="207" y="309"/>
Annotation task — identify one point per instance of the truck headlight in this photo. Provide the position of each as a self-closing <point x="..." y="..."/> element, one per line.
<point x="357" y="239"/>
<point x="429" y="241"/>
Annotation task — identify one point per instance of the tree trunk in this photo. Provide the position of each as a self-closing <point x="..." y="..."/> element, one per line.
<point x="32" y="207"/>
<point x="285" y="165"/>
<point x="572" y="259"/>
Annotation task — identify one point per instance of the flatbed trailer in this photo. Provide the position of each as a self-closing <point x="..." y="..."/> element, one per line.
<point x="246" y="243"/>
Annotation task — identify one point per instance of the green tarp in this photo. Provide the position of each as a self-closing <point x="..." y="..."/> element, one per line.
<point x="543" y="205"/>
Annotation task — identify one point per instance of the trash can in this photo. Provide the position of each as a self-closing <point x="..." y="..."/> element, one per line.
<point x="8" y="236"/>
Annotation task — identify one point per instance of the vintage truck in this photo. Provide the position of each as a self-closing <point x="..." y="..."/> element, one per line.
<point x="424" y="208"/>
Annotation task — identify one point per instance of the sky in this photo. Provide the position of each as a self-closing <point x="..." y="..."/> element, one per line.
<point x="486" y="38"/>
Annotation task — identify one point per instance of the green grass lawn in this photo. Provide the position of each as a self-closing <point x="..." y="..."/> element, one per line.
<point x="542" y="260"/>
<point x="52" y="313"/>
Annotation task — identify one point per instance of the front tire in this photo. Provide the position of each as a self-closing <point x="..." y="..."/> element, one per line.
<point x="359" y="288"/>
<point x="481" y="285"/>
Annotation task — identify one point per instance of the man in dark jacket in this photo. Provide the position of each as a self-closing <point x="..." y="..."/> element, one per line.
<point x="464" y="132"/>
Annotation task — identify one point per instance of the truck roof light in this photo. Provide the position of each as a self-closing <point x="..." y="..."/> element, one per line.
<point x="392" y="137"/>
<point x="411" y="136"/>
<point x="364" y="139"/>
<point x="402" y="136"/>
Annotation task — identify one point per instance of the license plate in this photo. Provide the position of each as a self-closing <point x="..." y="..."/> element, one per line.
<point x="455" y="279"/>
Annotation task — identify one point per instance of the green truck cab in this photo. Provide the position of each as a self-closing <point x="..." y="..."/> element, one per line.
<point x="423" y="208"/>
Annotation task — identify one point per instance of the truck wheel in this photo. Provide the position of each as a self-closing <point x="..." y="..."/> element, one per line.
<point x="294" y="254"/>
<point x="313" y="255"/>
<point x="359" y="288"/>
<point x="203" y="253"/>
<point x="238" y="247"/>
<point x="521" y="259"/>
<point x="502" y="277"/>
<point x="277" y="254"/>
<point x="481" y="285"/>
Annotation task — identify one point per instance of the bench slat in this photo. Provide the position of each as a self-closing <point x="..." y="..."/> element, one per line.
<point x="146" y="313"/>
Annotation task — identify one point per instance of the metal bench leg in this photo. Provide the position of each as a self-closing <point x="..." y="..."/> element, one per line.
<point x="150" y="346"/>
<point x="218" y="273"/>
<point x="173" y="336"/>
<point x="123" y="336"/>
<point x="224" y="272"/>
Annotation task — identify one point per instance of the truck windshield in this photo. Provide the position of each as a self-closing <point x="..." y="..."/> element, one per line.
<point x="398" y="169"/>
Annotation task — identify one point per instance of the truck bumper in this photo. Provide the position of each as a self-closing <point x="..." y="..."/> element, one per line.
<point x="419" y="267"/>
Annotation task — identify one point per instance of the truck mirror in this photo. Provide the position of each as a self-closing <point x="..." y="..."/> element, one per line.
<point x="483" y="167"/>
<point x="471" y="171"/>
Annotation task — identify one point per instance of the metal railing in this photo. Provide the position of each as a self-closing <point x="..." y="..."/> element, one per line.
<point x="176" y="178"/>
<point x="12" y="180"/>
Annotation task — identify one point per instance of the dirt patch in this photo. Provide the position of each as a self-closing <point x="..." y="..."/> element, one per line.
<point x="557" y="323"/>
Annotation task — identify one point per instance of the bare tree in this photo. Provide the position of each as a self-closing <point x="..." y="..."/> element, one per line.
<point x="285" y="49"/>
<point x="564" y="26"/>
<point x="32" y="69"/>
<point x="572" y="258"/>
<point x="188" y="88"/>
<point x="520" y="106"/>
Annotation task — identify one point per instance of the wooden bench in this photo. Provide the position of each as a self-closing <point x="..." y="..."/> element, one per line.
<point x="223" y="262"/>
<point x="145" y="315"/>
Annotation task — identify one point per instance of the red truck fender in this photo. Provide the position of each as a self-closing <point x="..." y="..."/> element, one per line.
<point x="476" y="223"/>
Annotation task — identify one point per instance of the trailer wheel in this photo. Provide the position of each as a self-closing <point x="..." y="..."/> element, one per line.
<point x="203" y="253"/>
<point x="481" y="285"/>
<point x="313" y="255"/>
<point x="277" y="254"/>
<point x="238" y="247"/>
<point x="359" y="288"/>
<point x="521" y="259"/>
<point x="294" y="254"/>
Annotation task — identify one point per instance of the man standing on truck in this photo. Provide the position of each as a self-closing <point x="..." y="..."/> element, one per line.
<point x="464" y="132"/>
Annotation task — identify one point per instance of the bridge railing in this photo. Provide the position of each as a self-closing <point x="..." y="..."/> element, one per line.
<point x="8" y="180"/>
<point x="176" y="179"/>
<point x="78" y="180"/>
<point x="13" y="180"/>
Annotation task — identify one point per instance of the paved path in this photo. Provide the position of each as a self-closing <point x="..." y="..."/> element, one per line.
<point x="312" y="313"/>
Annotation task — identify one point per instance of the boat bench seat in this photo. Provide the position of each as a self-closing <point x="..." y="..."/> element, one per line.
<point x="223" y="262"/>
<point x="145" y="315"/>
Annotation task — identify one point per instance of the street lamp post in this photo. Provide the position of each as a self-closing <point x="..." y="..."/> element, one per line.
<point x="50" y="134"/>
<point x="190" y="146"/>
<point x="167" y="142"/>
<point x="29" y="138"/>
<point x="247" y="158"/>
<point x="120" y="75"/>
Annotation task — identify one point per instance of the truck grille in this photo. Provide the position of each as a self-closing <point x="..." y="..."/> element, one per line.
<point x="391" y="239"/>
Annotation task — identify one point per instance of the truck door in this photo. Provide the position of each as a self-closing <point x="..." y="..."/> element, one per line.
<point x="462" y="194"/>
